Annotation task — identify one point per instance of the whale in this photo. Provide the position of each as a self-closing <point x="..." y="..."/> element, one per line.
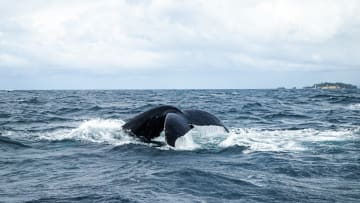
<point x="171" y="120"/>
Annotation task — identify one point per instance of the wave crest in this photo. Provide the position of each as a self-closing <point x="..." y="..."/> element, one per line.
<point x="110" y="131"/>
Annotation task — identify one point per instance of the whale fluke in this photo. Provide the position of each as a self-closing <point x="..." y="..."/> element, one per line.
<point x="199" y="117"/>
<point x="176" y="123"/>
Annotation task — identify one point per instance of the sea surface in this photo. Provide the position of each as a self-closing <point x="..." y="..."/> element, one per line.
<point x="283" y="146"/>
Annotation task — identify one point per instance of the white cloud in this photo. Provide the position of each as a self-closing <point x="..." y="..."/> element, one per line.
<point x="143" y="34"/>
<point x="12" y="60"/>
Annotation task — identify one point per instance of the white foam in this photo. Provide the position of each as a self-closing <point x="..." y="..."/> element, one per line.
<point x="186" y="142"/>
<point x="96" y="130"/>
<point x="283" y="140"/>
<point x="206" y="137"/>
<point x="354" y="107"/>
<point x="201" y="137"/>
<point x="258" y="140"/>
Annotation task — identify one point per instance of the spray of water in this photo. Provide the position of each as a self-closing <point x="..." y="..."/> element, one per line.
<point x="110" y="131"/>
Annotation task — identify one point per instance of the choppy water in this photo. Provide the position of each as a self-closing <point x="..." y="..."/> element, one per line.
<point x="283" y="146"/>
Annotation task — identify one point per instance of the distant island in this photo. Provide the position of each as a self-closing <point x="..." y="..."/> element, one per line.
<point x="332" y="86"/>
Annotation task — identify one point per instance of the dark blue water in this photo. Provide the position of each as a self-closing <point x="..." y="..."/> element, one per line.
<point x="283" y="146"/>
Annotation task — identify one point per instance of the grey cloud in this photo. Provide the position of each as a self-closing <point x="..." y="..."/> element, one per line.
<point x="114" y="37"/>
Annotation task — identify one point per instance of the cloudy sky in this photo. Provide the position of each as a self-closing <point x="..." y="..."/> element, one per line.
<point x="114" y="44"/>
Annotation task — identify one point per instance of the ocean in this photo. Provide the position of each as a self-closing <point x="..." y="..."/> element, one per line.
<point x="300" y="145"/>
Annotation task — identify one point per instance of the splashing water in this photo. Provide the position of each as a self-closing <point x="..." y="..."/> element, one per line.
<point x="205" y="137"/>
<point x="96" y="130"/>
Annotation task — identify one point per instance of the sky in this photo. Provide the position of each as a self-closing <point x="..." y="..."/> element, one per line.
<point x="180" y="44"/>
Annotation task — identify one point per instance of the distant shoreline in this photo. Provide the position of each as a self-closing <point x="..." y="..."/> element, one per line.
<point x="332" y="86"/>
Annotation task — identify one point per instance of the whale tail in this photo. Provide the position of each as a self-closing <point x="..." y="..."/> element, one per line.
<point x="173" y="121"/>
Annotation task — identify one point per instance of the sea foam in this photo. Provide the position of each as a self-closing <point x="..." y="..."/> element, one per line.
<point x="109" y="131"/>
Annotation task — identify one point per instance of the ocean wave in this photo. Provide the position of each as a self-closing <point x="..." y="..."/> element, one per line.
<point x="66" y="110"/>
<point x="5" y="115"/>
<point x="6" y="142"/>
<point x="109" y="131"/>
<point x="32" y="100"/>
<point x="282" y="115"/>
<point x="336" y="98"/>
<point x="354" y="106"/>
<point x="252" y="105"/>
